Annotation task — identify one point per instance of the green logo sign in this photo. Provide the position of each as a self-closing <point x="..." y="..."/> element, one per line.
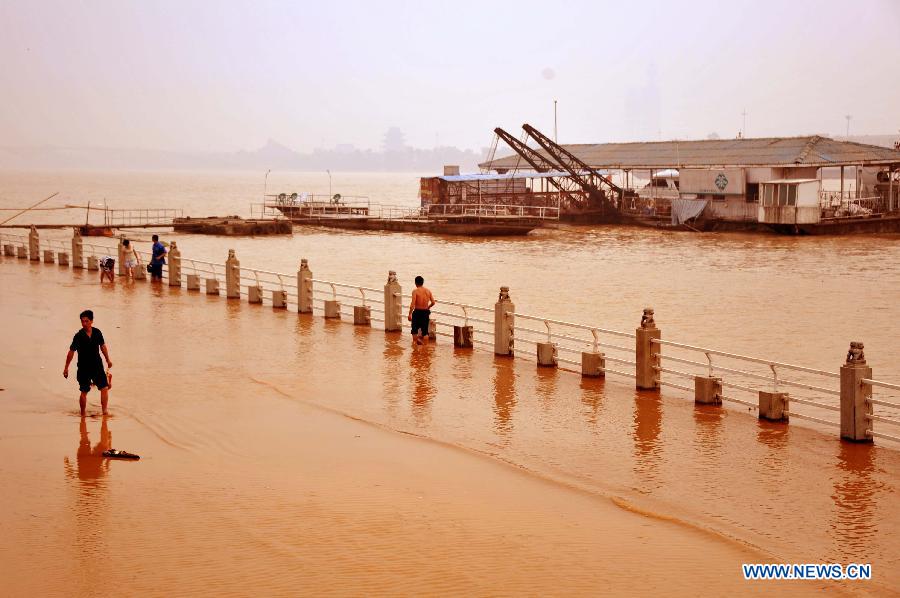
<point x="721" y="181"/>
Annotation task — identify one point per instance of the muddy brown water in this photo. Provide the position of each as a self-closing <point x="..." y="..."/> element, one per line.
<point x="794" y="493"/>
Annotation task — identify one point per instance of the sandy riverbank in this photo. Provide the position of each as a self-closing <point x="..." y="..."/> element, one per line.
<point x="245" y="487"/>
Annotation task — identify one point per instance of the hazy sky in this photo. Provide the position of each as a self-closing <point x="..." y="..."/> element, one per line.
<point x="224" y="76"/>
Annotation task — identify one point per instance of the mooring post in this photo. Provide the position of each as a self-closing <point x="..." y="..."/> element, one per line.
<point x="593" y="364"/>
<point x="333" y="309"/>
<point x="77" y="250"/>
<point x="174" y="256"/>
<point x="34" y="245"/>
<point x="707" y="390"/>
<point x="855" y="406"/>
<point x="9" y="250"/>
<point x="647" y="352"/>
<point x="93" y="263"/>
<point x="504" y="324"/>
<point x="774" y="406"/>
<point x="48" y="256"/>
<point x="254" y="294"/>
<point x="212" y="286"/>
<point x="63" y="258"/>
<point x="279" y="299"/>
<point x="547" y="355"/>
<point x="304" y="288"/>
<point x="462" y="336"/>
<point x="362" y="315"/>
<point x="432" y="329"/>
<point x="232" y="276"/>
<point x="393" y="303"/>
<point x="23" y="252"/>
<point x="193" y="281"/>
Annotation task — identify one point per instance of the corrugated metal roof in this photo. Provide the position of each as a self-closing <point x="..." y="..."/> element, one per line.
<point x="494" y="177"/>
<point x="717" y="153"/>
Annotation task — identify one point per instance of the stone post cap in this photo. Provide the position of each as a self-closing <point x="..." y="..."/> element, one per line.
<point x="231" y="255"/>
<point x="172" y="245"/>
<point x="392" y="276"/>
<point x="504" y="294"/>
<point x="304" y="264"/>
<point x="856" y="354"/>
<point x="34" y="229"/>
<point x="647" y="318"/>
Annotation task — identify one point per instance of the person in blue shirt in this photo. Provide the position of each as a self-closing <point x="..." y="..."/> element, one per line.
<point x="158" y="260"/>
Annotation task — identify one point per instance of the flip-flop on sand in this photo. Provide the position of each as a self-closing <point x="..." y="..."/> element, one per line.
<point x="114" y="454"/>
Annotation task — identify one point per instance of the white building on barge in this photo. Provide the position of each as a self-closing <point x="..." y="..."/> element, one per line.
<point x="791" y="184"/>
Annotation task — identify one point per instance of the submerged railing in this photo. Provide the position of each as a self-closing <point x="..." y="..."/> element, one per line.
<point x="501" y="328"/>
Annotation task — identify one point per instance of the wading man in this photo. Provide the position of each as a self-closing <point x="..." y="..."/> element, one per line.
<point x="158" y="259"/>
<point x="420" y="310"/>
<point x="89" y="342"/>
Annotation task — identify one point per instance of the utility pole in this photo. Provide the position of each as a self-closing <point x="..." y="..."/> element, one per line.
<point x="329" y="185"/>
<point x="744" y="123"/>
<point x="848" y="117"/>
<point x="266" y="184"/>
<point x="555" y="135"/>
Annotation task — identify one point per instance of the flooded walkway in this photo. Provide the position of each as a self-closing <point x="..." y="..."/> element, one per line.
<point x="270" y="440"/>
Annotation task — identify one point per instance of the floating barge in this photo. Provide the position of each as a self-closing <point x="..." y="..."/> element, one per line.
<point x="232" y="226"/>
<point x="485" y="218"/>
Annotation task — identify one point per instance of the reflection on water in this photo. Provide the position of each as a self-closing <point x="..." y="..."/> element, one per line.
<point x="592" y="399"/>
<point x="645" y="432"/>
<point x="708" y="425"/>
<point x="391" y="370"/>
<point x="90" y="466"/>
<point x="504" y="398"/>
<point x="854" y="524"/>
<point x="546" y="387"/>
<point x="422" y="379"/>
<point x="90" y="506"/>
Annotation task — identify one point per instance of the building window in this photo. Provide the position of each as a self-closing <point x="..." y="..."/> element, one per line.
<point x="752" y="193"/>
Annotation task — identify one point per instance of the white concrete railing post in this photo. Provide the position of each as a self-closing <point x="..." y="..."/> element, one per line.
<point x="504" y="324"/>
<point x="647" y="353"/>
<point x="304" y="288"/>
<point x="232" y="276"/>
<point x="774" y="406"/>
<point x="121" y="255"/>
<point x="855" y="406"/>
<point x="77" y="250"/>
<point x="174" y="256"/>
<point x="34" y="245"/>
<point x="393" y="303"/>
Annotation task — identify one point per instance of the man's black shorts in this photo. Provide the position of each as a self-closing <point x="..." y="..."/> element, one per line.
<point x="89" y="375"/>
<point x="420" y="321"/>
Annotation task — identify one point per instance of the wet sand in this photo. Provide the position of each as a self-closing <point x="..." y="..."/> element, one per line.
<point x="279" y="458"/>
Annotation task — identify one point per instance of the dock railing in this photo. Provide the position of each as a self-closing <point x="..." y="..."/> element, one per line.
<point x="822" y="393"/>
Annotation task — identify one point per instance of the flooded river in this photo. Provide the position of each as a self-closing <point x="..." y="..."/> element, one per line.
<point x="794" y="492"/>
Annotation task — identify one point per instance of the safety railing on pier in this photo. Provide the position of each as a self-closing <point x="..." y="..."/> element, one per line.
<point x="492" y="210"/>
<point x="807" y="393"/>
<point x="140" y="217"/>
<point x="835" y="205"/>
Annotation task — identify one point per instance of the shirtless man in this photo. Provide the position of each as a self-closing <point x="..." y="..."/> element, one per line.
<point x="419" y="309"/>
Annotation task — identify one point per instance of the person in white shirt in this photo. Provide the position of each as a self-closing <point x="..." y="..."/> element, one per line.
<point x="131" y="259"/>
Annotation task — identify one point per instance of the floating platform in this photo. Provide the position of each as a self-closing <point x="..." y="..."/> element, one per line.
<point x="232" y="226"/>
<point x="472" y="227"/>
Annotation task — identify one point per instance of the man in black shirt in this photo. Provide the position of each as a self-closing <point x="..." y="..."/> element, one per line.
<point x="88" y="342"/>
